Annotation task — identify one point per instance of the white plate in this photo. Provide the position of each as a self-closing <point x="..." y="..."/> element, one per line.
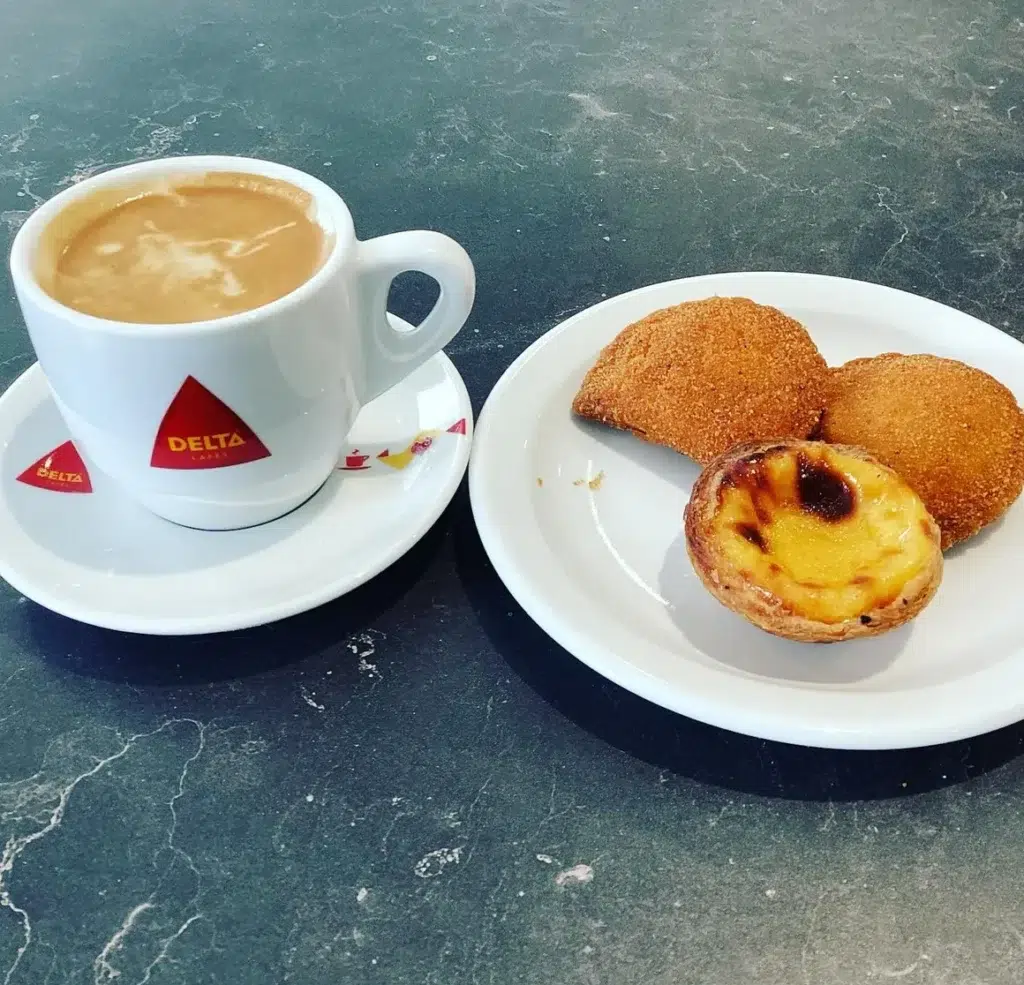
<point x="101" y="559"/>
<point x="605" y="572"/>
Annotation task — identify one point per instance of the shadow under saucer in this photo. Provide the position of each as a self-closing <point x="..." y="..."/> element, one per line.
<point x="142" y="661"/>
<point x="702" y="752"/>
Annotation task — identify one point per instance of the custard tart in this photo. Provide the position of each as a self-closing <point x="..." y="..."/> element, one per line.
<point x="812" y="542"/>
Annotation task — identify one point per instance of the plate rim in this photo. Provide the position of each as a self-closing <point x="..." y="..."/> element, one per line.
<point x="758" y="722"/>
<point x="238" y="619"/>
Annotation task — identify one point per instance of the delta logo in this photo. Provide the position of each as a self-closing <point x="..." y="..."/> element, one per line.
<point x="200" y="431"/>
<point x="61" y="470"/>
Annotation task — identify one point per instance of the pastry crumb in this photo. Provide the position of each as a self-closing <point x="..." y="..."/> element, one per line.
<point x="540" y="481"/>
<point x="592" y="483"/>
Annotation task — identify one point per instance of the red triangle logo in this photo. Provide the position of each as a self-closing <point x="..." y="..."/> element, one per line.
<point x="459" y="427"/>
<point x="62" y="470"/>
<point x="200" y="431"/>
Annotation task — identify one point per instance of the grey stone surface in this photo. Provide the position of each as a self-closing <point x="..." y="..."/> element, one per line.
<point x="413" y="785"/>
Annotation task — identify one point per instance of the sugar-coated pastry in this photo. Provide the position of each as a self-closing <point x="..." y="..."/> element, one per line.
<point x="953" y="432"/>
<point x="705" y="375"/>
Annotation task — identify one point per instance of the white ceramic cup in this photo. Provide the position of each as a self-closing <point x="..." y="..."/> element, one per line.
<point x="295" y="372"/>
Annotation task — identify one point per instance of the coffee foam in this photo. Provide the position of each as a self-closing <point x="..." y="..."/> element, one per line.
<point x="179" y="262"/>
<point x="167" y="262"/>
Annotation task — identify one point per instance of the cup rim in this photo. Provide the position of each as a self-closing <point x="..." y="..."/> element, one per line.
<point x="27" y="238"/>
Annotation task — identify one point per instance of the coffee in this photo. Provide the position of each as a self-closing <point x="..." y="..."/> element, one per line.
<point x="182" y="250"/>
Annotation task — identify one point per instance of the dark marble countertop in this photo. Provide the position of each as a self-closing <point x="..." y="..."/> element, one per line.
<point x="413" y="785"/>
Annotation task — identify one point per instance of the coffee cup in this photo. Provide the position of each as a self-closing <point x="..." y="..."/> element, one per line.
<point x="210" y="327"/>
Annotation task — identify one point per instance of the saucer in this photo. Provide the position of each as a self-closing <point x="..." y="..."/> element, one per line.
<point x="584" y="526"/>
<point x="71" y="541"/>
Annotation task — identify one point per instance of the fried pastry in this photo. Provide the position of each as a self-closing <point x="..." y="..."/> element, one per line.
<point x="812" y="542"/>
<point x="705" y="375"/>
<point x="953" y="432"/>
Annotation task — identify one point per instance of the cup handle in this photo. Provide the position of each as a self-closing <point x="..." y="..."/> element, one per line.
<point x="390" y="353"/>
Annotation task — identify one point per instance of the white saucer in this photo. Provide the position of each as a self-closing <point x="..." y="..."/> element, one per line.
<point x="99" y="558"/>
<point x="604" y="570"/>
